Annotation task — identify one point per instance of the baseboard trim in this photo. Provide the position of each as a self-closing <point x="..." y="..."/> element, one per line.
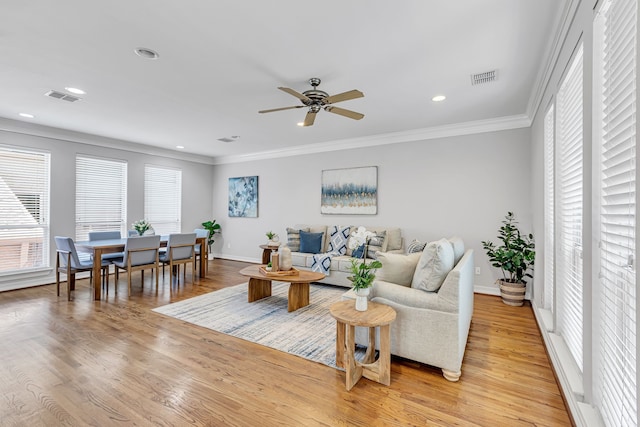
<point x="487" y="290"/>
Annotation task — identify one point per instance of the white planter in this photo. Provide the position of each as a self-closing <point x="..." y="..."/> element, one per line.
<point x="362" y="298"/>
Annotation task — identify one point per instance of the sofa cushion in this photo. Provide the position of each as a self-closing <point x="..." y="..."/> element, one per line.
<point x="311" y="243"/>
<point x="377" y="243"/>
<point x="397" y="268"/>
<point x="435" y="263"/>
<point x="394" y="239"/>
<point x="293" y="238"/>
<point x="458" y="248"/>
<point x="415" y="246"/>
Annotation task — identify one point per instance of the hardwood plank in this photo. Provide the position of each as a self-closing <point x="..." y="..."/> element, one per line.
<point x="114" y="361"/>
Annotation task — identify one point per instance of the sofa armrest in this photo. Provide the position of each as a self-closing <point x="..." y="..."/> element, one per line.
<point x="409" y="297"/>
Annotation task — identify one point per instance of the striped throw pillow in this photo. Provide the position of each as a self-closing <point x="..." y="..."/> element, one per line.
<point x="415" y="246"/>
<point x="293" y="238"/>
<point x="375" y="244"/>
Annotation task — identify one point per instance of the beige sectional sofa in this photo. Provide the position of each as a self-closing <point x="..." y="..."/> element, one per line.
<point x="431" y="326"/>
<point x="339" y="271"/>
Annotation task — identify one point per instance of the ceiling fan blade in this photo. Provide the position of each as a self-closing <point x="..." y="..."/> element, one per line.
<point x="343" y="112"/>
<point x="309" y="119"/>
<point x="294" y="93"/>
<point x="280" y="109"/>
<point x="344" y="96"/>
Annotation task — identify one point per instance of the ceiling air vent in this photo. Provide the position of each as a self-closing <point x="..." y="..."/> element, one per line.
<point x="482" y="78"/>
<point x="62" y="96"/>
<point x="229" y="138"/>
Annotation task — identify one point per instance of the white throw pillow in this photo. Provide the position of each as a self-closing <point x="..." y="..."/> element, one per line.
<point x="435" y="263"/>
<point x="458" y="248"/>
<point x="397" y="268"/>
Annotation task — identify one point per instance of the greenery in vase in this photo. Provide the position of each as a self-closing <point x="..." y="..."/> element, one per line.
<point x="516" y="255"/>
<point x="363" y="273"/>
<point x="271" y="235"/>
<point x="212" y="228"/>
<point x="141" y="226"/>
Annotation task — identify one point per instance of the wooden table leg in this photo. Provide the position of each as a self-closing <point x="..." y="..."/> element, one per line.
<point x="353" y="369"/>
<point x="385" y="355"/>
<point x="298" y="296"/>
<point x="97" y="266"/>
<point x="266" y="256"/>
<point x="370" y="356"/>
<point x="258" y="289"/>
<point x="204" y="258"/>
<point x="340" y="327"/>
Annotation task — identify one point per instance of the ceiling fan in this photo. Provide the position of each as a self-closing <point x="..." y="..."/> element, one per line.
<point x="316" y="99"/>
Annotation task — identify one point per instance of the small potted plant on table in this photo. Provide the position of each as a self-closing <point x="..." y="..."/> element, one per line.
<point x="515" y="257"/>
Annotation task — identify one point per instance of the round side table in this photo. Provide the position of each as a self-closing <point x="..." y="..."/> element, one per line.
<point x="347" y="318"/>
<point x="266" y="252"/>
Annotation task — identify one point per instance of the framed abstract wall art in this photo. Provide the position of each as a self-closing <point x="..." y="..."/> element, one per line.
<point x="243" y="197"/>
<point x="350" y="191"/>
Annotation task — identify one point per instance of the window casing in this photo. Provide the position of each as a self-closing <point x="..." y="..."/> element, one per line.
<point x="549" y="200"/>
<point x="101" y="196"/>
<point x="24" y="210"/>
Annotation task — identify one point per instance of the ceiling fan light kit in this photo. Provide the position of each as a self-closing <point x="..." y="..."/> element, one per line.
<point x="316" y="100"/>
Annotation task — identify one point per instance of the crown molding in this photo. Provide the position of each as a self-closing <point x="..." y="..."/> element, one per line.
<point x="545" y="72"/>
<point x="457" y="129"/>
<point x="32" y="129"/>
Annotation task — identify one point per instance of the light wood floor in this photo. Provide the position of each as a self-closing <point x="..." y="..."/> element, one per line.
<point x="117" y="363"/>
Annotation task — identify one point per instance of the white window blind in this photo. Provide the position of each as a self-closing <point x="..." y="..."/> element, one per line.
<point x="24" y="210"/>
<point x="615" y="135"/>
<point x="549" y="188"/>
<point x="101" y="195"/>
<point x="569" y="181"/>
<point x="163" y="199"/>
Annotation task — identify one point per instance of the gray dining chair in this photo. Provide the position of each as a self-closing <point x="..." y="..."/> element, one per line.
<point x="201" y="232"/>
<point x="180" y="250"/>
<point x="140" y="253"/>
<point x="69" y="263"/>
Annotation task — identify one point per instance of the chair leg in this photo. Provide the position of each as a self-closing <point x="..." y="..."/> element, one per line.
<point x="129" y="281"/>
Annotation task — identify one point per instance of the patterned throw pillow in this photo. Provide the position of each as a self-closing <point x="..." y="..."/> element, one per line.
<point x="338" y="239"/>
<point x="293" y="238"/>
<point x="415" y="246"/>
<point x="375" y="244"/>
<point x="358" y="252"/>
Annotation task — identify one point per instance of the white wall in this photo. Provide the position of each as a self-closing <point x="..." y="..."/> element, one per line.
<point x="461" y="185"/>
<point x="196" y="189"/>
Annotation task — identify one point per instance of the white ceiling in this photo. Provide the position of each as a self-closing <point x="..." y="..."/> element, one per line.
<point x="222" y="61"/>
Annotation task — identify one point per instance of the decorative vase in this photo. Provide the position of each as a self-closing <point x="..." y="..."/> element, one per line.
<point x="512" y="293"/>
<point x="285" y="258"/>
<point x="362" y="298"/>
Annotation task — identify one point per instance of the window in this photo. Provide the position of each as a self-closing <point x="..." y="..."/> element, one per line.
<point x="101" y="195"/>
<point x="569" y="181"/>
<point x="549" y="247"/>
<point x="615" y="56"/>
<point x="163" y="199"/>
<point x="24" y="210"/>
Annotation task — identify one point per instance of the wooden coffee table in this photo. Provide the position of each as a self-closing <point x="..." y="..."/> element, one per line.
<point x="260" y="285"/>
<point x="347" y="318"/>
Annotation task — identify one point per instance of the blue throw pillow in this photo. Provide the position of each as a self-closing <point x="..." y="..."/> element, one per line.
<point x="358" y="252"/>
<point x="310" y="243"/>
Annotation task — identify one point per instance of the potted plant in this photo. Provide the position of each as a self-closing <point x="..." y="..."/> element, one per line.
<point x="141" y="226"/>
<point x="362" y="280"/>
<point x="212" y="228"/>
<point x="273" y="238"/>
<point x="515" y="257"/>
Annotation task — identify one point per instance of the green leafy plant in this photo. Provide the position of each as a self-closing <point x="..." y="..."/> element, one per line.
<point x="363" y="273"/>
<point x="516" y="255"/>
<point x="270" y="235"/>
<point x="213" y="228"/>
<point x="269" y="265"/>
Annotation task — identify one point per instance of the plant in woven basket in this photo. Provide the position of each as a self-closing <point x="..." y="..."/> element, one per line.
<point x="516" y="255"/>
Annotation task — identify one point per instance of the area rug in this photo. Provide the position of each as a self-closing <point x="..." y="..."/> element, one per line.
<point x="308" y="332"/>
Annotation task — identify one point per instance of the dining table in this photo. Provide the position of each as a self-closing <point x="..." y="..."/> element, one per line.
<point x="97" y="248"/>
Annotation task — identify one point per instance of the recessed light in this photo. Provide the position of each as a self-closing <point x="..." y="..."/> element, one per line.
<point x="75" y="90"/>
<point x="146" y="53"/>
<point x="300" y="124"/>
<point x="438" y="98"/>
<point x="180" y="147"/>
<point x="27" y="115"/>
